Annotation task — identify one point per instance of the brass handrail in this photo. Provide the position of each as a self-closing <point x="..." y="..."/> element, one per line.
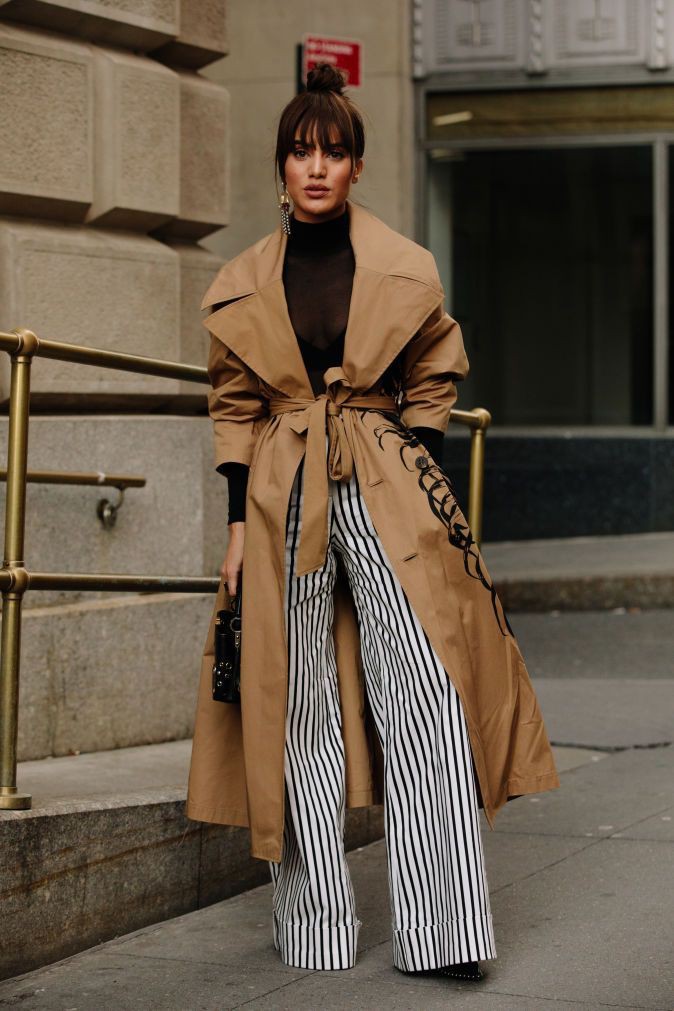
<point x="98" y="478"/>
<point x="20" y="341"/>
<point x="120" y="581"/>
<point x="15" y="579"/>
<point x="478" y="420"/>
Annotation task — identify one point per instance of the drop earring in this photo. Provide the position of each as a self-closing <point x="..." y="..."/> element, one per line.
<point x="285" y="210"/>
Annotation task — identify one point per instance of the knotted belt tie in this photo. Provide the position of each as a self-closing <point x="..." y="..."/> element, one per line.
<point x="315" y="417"/>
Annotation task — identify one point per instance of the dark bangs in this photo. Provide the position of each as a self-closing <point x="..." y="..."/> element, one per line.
<point x="330" y="115"/>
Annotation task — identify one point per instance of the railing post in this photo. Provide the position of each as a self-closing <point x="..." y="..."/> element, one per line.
<point x="12" y="599"/>
<point x="476" y="477"/>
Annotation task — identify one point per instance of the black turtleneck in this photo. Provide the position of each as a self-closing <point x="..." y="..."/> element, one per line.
<point x="317" y="277"/>
<point x="318" y="271"/>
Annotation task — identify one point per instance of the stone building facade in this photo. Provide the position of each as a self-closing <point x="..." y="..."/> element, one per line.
<point x="114" y="165"/>
<point x="136" y="155"/>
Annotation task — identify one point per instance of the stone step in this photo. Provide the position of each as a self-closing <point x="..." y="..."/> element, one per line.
<point x="106" y="848"/>
<point x="583" y="573"/>
<point x="111" y="673"/>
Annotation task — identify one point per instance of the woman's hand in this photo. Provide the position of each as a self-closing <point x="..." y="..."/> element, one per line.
<point x="231" y="567"/>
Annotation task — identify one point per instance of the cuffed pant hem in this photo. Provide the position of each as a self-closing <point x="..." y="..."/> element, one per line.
<point x="431" y="947"/>
<point x="307" y="947"/>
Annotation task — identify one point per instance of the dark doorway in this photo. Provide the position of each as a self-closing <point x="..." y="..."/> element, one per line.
<point x="549" y="269"/>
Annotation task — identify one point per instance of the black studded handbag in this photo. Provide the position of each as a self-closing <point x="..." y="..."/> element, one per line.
<point x="227" y="652"/>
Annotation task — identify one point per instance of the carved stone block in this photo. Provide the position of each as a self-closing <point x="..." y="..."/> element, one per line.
<point x="202" y="37"/>
<point x="81" y="285"/>
<point x="137" y="149"/>
<point x="204" y="157"/>
<point x="46" y="125"/>
<point x="198" y="267"/>
<point x="141" y="25"/>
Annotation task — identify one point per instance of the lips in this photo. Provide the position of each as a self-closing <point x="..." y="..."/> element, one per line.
<point x="315" y="189"/>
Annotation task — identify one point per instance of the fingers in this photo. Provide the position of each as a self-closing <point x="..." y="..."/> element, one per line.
<point x="231" y="567"/>
<point x="230" y="577"/>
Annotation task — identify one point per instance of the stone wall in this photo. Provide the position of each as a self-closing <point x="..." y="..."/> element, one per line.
<point x="114" y="163"/>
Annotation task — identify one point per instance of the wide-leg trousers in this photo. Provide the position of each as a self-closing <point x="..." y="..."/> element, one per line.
<point x="439" y="897"/>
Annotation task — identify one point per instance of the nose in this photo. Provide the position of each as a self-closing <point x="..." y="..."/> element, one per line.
<point x="316" y="166"/>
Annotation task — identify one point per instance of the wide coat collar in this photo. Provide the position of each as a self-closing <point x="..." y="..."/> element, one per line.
<point x="395" y="287"/>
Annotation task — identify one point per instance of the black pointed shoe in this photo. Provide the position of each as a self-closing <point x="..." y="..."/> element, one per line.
<point x="460" y="970"/>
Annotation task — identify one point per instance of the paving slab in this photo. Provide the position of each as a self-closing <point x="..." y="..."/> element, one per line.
<point x="618" y="643"/>
<point x="596" y="713"/>
<point x="111" y="981"/>
<point x="595" y="927"/>
<point x="659" y="828"/>
<point x="572" y="758"/>
<point x="227" y="935"/>
<point x="394" y="991"/>
<point x="569" y="932"/>
<point x="599" y="798"/>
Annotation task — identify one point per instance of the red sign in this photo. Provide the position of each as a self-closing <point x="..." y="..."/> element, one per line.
<point x="341" y="53"/>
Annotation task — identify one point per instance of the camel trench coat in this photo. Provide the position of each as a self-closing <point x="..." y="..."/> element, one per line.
<point x="236" y="774"/>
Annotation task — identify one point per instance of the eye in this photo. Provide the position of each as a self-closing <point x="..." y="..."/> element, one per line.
<point x="340" y="154"/>
<point x="299" y="151"/>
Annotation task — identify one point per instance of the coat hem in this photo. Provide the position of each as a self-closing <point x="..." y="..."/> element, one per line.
<point x="516" y="787"/>
<point x="533" y="784"/>
<point x="361" y="798"/>
<point x="217" y="815"/>
<point x="272" y="853"/>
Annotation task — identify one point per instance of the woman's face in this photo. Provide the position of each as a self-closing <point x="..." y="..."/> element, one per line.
<point x="318" y="181"/>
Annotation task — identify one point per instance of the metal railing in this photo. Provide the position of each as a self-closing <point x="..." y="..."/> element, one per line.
<point x="106" y="511"/>
<point x="15" y="579"/>
<point x="98" y="478"/>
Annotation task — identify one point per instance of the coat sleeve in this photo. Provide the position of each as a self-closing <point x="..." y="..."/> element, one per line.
<point x="235" y="405"/>
<point x="434" y="360"/>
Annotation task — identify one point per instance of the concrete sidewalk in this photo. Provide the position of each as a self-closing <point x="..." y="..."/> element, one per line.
<point x="580" y="877"/>
<point x="582" y="917"/>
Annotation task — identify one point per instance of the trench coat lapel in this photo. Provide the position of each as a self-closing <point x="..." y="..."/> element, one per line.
<point x="394" y="290"/>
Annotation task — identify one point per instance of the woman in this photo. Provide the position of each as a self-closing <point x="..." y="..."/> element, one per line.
<point x="378" y="665"/>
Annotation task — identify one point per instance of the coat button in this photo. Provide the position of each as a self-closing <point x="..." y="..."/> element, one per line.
<point x="421" y="462"/>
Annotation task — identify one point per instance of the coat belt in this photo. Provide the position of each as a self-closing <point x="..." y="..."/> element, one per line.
<point x="315" y="417"/>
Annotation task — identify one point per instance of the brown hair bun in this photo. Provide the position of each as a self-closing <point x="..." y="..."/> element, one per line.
<point x="326" y="77"/>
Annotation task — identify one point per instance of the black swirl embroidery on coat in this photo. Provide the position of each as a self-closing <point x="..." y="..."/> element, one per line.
<point x="441" y="496"/>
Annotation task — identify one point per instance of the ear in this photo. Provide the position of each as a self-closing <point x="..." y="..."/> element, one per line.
<point x="357" y="169"/>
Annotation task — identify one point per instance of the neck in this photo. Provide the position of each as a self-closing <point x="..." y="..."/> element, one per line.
<point x="319" y="236"/>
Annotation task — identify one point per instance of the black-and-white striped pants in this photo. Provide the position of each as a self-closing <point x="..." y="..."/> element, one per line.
<point x="437" y="880"/>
